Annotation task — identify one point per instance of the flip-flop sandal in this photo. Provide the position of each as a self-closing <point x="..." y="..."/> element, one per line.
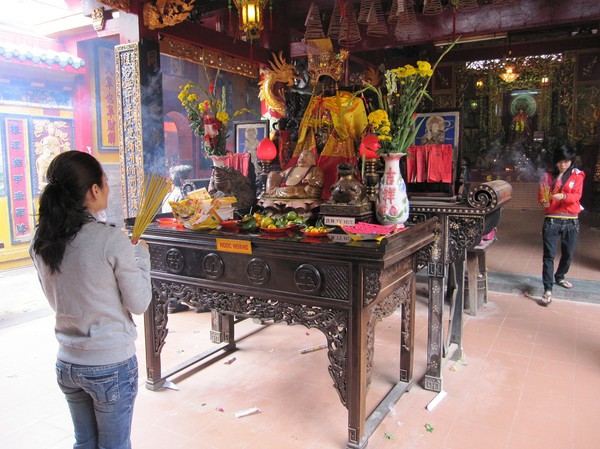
<point x="565" y="284"/>
<point x="546" y="299"/>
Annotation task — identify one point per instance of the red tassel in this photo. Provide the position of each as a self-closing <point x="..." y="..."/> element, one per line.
<point x="342" y="8"/>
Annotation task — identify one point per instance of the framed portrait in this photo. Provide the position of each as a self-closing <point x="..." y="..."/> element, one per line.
<point x="106" y="103"/>
<point x="248" y="134"/>
<point x="438" y="128"/>
<point x="247" y="137"/>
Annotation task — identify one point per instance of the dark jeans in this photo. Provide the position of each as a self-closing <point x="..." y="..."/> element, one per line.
<point x="101" y="401"/>
<point x="567" y="231"/>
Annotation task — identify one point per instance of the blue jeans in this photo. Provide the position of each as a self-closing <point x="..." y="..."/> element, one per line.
<point x="554" y="229"/>
<point x="101" y="401"/>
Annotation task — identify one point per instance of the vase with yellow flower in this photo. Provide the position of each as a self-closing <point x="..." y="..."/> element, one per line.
<point x="207" y="113"/>
<point x="393" y="122"/>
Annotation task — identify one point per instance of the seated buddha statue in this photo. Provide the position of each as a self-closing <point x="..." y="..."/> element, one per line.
<point x="302" y="180"/>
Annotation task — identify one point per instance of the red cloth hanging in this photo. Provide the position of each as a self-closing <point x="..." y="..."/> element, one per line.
<point x="411" y="164"/>
<point x="421" y="164"/>
<point x="439" y="163"/>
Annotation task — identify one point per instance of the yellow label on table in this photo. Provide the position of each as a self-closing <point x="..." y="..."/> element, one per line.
<point x="234" y="246"/>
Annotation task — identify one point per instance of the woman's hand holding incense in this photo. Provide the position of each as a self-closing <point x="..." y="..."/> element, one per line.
<point x="141" y="242"/>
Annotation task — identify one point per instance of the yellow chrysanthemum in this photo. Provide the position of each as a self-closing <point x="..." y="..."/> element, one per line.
<point x="377" y="117"/>
<point x="424" y="68"/>
<point x="409" y="70"/>
<point x="423" y="65"/>
<point x="399" y="72"/>
<point x="223" y="117"/>
<point x="192" y="97"/>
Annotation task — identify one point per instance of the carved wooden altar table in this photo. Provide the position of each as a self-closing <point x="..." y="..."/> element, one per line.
<point x="461" y="227"/>
<point x="341" y="289"/>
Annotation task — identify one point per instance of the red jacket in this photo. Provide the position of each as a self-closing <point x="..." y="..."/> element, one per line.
<point x="570" y="207"/>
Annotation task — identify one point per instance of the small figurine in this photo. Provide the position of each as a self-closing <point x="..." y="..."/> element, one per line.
<point x="347" y="190"/>
<point x="226" y="181"/>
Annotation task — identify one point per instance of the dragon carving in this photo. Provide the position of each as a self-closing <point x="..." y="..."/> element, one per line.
<point x="271" y="90"/>
<point x="371" y="76"/>
<point x="166" y="12"/>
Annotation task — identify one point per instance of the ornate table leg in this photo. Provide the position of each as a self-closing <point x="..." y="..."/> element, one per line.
<point x="407" y="333"/>
<point x="455" y="333"/>
<point x="155" y="332"/>
<point x="472" y="275"/>
<point x="356" y="376"/>
<point x="436" y="275"/>
<point x="222" y="328"/>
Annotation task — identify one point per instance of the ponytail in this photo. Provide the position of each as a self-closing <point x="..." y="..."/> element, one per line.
<point x="62" y="212"/>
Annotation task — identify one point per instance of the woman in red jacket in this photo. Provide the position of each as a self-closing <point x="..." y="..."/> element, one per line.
<point x="560" y="193"/>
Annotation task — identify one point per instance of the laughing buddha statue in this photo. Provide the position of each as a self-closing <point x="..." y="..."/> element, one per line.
<point x="303" y="180"/>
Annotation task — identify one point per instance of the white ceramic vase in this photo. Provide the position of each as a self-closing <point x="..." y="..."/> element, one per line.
<point x="218" y="161"/>
<point x="392" y="200"/>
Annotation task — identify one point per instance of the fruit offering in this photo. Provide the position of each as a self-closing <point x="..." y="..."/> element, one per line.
<point x="319" y="230"/>
<point x="264" y="221"/>
<point x="250" y="222"/>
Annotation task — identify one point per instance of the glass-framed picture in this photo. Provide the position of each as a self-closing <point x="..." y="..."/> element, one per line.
<point x="247" y="137"/>
<point x="438" y="128"/>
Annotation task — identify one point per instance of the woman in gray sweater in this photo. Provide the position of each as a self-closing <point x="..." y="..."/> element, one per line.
<point x="94" y="278"/>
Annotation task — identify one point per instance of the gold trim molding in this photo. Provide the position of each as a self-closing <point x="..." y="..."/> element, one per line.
<point x="208" y="57"/>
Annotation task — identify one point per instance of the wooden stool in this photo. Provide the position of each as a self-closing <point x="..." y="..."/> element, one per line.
<point x="476" y="267"/>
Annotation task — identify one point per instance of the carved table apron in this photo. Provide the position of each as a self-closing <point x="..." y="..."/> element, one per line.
<point x="341" y="289"/>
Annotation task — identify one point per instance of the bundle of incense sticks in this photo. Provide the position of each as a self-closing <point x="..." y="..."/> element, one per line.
<point x="545" y="192"/>
<point x="155" y="189"/>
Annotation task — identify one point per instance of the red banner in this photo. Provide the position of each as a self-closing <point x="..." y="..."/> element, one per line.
<point x="19" y="199"/>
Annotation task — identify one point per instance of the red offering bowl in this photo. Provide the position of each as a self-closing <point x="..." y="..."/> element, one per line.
<point x="230" y="224"/>
<point x="168" y="222"/>
<point x="278" y="230"/>
<point x="315" y="240"/>
<point x="314" y="233"/>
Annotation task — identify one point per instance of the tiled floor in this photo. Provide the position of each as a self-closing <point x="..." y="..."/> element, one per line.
<point x="519" y="246"/>
<point x="529" y="378"/>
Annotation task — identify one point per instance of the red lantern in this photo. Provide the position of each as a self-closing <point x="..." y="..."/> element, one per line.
<point x="369" y="146"/>
<point x="266" y="150"/>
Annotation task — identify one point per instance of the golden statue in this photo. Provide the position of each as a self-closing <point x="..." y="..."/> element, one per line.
<point x="303" y="180"/>
<point x="334" y="121"/>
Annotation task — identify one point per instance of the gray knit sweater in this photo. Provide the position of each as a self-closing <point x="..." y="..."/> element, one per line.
<point x="103" y="280"/>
